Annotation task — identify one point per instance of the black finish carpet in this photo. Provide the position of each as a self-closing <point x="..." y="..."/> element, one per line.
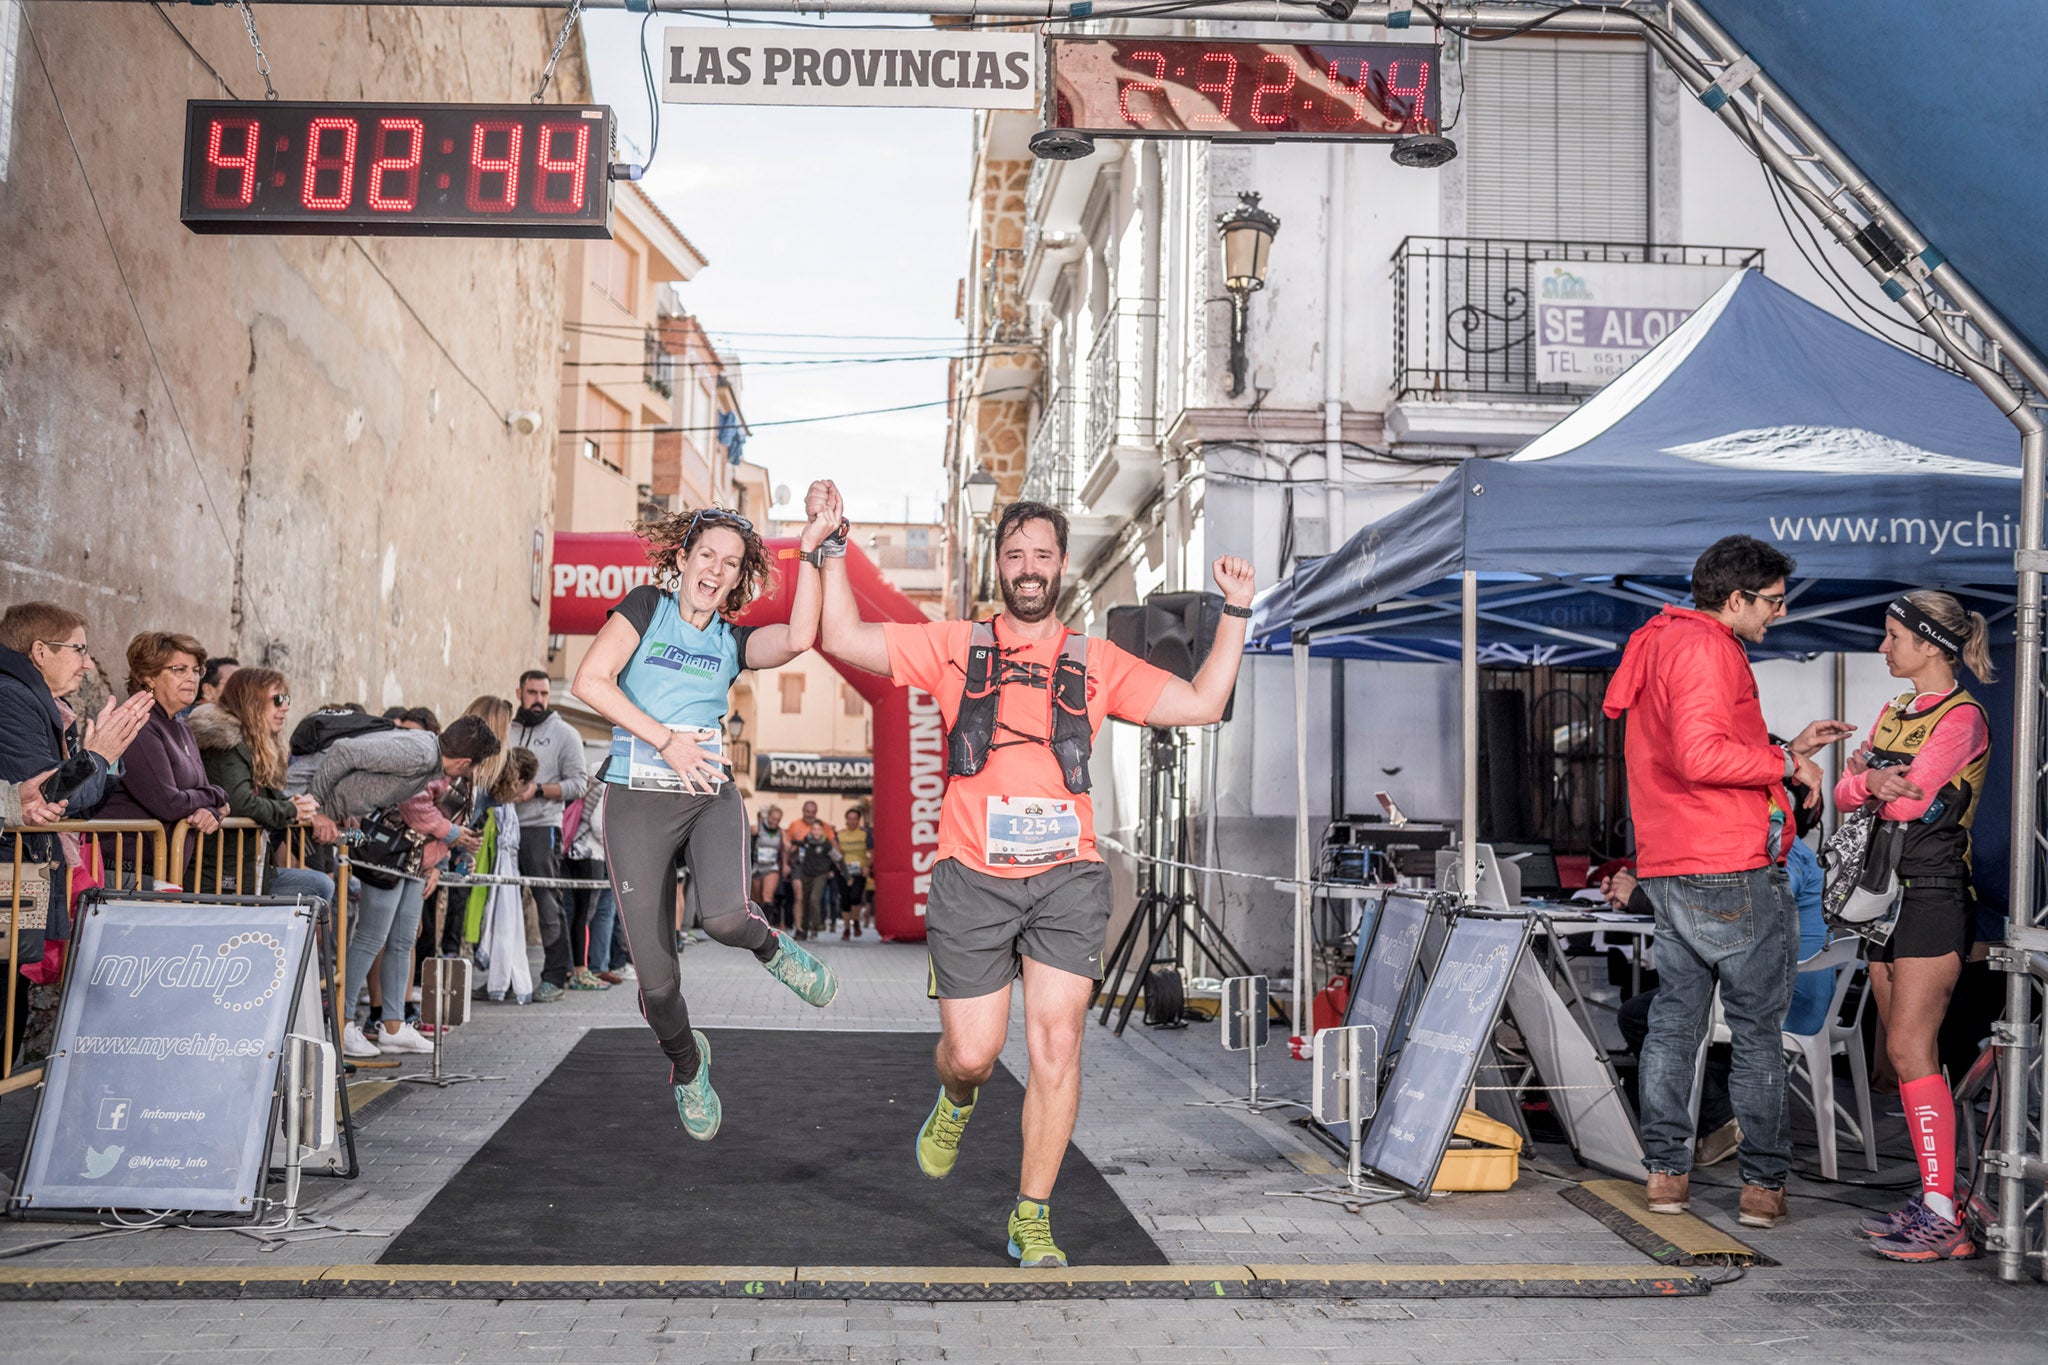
<point x="814" y="1165"/>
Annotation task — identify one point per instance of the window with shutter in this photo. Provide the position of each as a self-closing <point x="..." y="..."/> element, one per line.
<point x="1556" y="141"/>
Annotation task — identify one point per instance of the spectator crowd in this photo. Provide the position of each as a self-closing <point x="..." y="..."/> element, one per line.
<point x="268" y="807"/>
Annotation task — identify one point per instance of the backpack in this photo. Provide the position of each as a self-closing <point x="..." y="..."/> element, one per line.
<point x="316" y="732"/>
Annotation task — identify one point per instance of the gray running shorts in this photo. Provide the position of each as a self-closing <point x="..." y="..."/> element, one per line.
<point x="978" y="926"/>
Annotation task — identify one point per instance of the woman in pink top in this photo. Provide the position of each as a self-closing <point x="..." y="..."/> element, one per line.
<point x="1925" y="761"/>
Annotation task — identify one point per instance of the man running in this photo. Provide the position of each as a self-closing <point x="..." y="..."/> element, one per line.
<point x="1019" y="885"/>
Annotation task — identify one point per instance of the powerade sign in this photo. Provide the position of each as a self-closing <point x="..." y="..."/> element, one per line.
<point x="849" y="774"/>
<point x="158" y="1092"/>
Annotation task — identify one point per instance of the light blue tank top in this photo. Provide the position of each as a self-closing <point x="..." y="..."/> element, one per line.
<point x="679" y="675"/>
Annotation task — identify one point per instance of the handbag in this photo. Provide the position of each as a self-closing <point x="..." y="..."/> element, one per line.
<point x="31" y="889"/>
<point x="1862" y="891"/>
<point x="389" y="851"/>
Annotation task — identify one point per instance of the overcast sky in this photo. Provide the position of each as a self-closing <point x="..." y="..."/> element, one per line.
<point x="843" y="227"/>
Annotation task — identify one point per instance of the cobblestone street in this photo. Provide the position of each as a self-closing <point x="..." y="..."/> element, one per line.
<point x="1200" y="1180"/>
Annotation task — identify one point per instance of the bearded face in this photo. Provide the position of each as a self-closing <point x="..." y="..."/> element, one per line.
<point x="1029" y="565"/>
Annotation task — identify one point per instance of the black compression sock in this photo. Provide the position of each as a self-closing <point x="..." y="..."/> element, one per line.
<point x="767" y="951"/>
<point x="684" y="1056"/>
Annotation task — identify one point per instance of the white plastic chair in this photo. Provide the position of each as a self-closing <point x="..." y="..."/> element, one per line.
<point x="1815" y="1053"/>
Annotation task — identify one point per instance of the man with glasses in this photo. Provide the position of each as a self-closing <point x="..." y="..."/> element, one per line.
<point x="1707" y="794"/>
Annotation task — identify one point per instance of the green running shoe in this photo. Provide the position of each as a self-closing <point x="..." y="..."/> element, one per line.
<point x="938" y="1142"/>
<point x="1031" y="1237"/>
<point x="795" y="968"/>
<point x="696" y="1101"/>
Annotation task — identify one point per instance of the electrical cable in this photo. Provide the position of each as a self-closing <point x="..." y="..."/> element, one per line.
<point x="170" y="398"/>
<point x="1826" y="269"/>
<point x="790" y="421"/>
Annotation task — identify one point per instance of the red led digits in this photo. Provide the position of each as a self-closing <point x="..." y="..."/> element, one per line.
<point x="317" y="161"/>
<point x="1396" y="90"/>
<point x="572" y="166"/>
<point x="481" y="165"/>
<point x="1346" y="103"/>
<point x="405" y="165"/>
<point x="1276" y="89"/>
<point x="216" y="162"/>
<point x="1224" y="88"/>
<point x="1154" y="88"/>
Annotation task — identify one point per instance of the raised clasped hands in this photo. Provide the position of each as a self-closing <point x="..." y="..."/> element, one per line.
<point x="823" y="511"/>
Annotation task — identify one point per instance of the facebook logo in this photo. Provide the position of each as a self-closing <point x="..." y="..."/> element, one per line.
<point x="113" y="1115"/>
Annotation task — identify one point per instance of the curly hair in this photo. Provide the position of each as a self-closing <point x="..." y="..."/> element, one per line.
<point x="670" y="539"/>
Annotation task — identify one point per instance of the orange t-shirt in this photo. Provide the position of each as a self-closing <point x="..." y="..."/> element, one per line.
<point x="934" y="657"/>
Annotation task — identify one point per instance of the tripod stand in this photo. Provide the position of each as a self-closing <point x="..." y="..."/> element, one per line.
<point x="1169" y="918"/>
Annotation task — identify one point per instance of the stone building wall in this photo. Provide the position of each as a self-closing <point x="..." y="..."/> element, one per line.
<point x="322" y="475"/>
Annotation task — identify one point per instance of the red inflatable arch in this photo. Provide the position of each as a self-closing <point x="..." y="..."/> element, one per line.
<point x="593" y="570"/>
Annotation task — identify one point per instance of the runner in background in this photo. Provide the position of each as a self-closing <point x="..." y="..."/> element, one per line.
<point x="767" y="843"/>
<point x="854" y="861"/>
<point x="660" y="670"/>
<point x="1019" y="886"/>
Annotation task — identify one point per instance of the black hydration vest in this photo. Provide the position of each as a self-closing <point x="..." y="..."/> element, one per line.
<point x="974" y="729"/>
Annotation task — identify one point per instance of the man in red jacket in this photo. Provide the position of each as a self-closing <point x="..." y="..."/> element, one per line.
<point x="1707" y="794"/>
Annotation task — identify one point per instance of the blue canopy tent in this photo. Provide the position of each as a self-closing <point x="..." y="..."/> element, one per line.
<point x="1763" y="415"/>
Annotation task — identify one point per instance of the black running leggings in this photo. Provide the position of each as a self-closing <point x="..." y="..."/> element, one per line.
<point x="644" y="831"/>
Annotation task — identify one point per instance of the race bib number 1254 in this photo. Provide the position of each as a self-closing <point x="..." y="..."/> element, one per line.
<point x="1031" y="831"/>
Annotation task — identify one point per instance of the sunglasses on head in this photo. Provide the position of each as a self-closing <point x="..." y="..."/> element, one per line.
<point x="717" y="516"/>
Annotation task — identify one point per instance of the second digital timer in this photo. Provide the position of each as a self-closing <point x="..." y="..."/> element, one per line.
<point x="1162" y="87"/>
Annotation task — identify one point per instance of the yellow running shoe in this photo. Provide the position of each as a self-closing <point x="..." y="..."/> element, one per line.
<point x="938" y="1142"/>
<point x="1031" y="1237"/>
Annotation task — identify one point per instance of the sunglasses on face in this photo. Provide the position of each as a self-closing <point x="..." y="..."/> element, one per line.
<point x="281" y="699"/>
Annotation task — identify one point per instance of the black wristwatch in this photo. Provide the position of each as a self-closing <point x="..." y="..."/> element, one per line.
<point x="1243" y="613"/>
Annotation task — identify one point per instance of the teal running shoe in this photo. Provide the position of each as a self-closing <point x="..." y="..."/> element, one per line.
<point x="795" y="967"/>
<point x="696" y="1101"/>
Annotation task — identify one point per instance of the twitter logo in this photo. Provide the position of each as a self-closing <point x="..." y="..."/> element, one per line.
<point x="99" y="1163"/>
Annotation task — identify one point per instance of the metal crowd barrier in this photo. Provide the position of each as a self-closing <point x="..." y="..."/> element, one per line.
<point x="135" y="844"/>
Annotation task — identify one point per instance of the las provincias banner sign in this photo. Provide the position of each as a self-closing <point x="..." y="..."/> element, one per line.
<point x="875" y="67"/>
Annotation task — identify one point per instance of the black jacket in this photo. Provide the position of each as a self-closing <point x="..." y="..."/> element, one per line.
<point x="34" y="739"/>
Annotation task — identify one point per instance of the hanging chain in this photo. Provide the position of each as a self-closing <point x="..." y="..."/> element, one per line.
<point x="262" y="61"/>
<point x="548" y="73"/>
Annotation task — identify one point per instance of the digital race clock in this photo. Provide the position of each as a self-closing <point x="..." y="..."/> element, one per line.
<point x="441" y="170"/>
<point x="1259" y="91"/>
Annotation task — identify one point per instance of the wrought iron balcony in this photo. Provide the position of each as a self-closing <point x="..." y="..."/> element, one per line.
<point x="1004" y="317"/>
<point x="1463" y="325"/>
<point x="658" y="366"/>
<point x="1049" y="467"/>
<point x="1117" y="412"/>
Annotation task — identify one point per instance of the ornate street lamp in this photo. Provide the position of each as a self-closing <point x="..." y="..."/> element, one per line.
<point x="1247" y="232"/>
<point x="981" y="492"/>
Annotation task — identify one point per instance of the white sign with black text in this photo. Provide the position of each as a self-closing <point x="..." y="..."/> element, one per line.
<point x="1594" y="319"/>
<point x="896" y="68"/>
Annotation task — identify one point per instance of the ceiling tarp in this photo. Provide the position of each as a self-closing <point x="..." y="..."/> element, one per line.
<point x="1943" y="107"/>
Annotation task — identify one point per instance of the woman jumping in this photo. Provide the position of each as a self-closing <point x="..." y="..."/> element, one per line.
<point x="660" y="671"/>
<point x="1926" y="761"/>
